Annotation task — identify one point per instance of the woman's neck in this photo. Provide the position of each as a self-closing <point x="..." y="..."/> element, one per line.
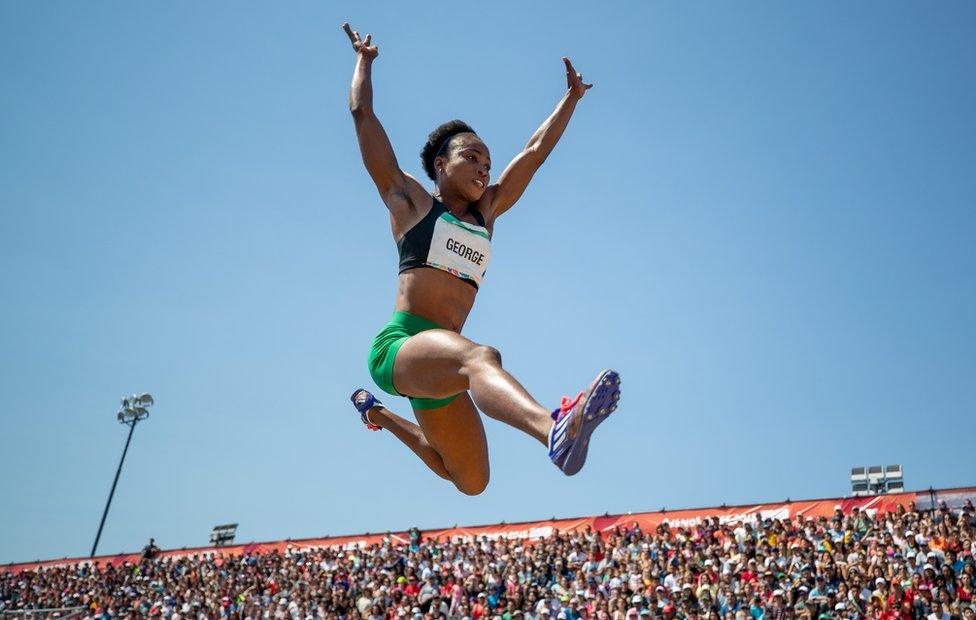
<point x="454" y="203"/>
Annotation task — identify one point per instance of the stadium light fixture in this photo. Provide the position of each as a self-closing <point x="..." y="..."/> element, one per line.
<point x="223" y="535"/>
<point x="133" y="410"/>
<point x="877" y="480"/>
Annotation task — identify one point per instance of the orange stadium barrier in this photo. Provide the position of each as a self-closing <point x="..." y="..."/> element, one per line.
<point x="534" y="530"/>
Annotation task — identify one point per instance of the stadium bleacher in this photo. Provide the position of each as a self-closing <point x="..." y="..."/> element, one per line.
<point x="894" y="556"/>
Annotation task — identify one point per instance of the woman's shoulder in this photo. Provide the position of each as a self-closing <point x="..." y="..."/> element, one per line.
<point x="408" y="205"/>
<point x="415" y="196"/>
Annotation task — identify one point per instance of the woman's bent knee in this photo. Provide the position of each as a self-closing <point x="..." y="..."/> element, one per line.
<point x="483" y="355"/>
<point x="471" y="484"/>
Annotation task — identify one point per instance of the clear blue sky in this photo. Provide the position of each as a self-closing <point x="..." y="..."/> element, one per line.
<point x="763" y="216"/>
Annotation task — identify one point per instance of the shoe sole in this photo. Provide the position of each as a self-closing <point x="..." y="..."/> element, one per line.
<point x="364" y="415"/>
<point x="601" y="401"/>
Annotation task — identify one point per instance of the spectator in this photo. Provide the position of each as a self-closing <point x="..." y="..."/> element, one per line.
<point x="904" y="565"/>
<point x="151" y="550"/>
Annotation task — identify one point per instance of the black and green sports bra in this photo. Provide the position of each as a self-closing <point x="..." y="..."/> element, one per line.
<point x="442" y="241"/>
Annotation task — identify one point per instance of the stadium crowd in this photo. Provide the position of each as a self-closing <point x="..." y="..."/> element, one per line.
<point x="906" y="564"/>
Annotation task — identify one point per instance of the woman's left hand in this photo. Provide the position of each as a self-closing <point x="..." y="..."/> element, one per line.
<point x="574" y="80"/>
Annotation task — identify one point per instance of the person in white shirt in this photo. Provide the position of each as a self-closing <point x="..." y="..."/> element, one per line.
<point x="938" y="612"/>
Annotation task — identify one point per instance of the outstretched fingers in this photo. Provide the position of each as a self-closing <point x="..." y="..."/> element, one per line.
<point x="569" y="65"/>
<point x="353" y="36"/>
<point x="360" y="45"/>
<point x="574" y="78"/>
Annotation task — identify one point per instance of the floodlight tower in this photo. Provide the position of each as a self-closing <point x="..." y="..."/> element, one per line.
<point x="134" y="409"/>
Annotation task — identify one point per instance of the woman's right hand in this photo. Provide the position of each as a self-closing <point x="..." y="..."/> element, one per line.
<point x="361" y="46"/>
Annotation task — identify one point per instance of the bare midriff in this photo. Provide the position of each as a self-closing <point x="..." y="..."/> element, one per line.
<point x="436" y="296"/>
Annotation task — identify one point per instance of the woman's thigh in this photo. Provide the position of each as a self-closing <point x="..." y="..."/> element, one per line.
<point x="428" y="364"/>
<point x="455" y="431"/>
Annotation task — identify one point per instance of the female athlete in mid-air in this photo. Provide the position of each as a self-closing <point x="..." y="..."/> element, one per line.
<point x="444" y="241"/>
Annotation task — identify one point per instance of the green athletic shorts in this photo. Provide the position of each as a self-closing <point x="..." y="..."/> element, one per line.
<point x="382" y="355"/>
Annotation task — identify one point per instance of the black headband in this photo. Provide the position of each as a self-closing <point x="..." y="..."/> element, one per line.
<point x="444" y="144"/>
<point x="447" y="139"/>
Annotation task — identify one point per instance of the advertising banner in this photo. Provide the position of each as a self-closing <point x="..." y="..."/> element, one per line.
<point x="535" y="530"/>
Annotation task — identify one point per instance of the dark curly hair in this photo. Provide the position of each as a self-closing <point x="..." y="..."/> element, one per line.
<point x="436" y="142"/>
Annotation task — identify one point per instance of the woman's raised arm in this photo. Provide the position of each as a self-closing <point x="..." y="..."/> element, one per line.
<point x="519" y="172"/>
<point x="374" y="144"/>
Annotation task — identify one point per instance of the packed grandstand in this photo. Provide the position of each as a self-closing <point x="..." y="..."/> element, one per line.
<point x="909" y="555"/>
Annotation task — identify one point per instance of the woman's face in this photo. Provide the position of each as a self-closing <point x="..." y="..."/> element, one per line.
<point x="464" y="167"/>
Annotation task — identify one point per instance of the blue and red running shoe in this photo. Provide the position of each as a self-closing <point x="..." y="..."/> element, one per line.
<point x="576" y="420"/>
<point x="363" y="401"/>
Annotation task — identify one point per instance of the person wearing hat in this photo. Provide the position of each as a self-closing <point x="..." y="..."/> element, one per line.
<point x="897" y="596"/>
<point x="819" y="590"/>
<point x="480" y="607"/>
<point x="705" y="600"/>
<point x="881" y="588"/>
<point x="572" y="609"/>
<point x="659" y="598"/>
<point x="705" y="587"/>
<point x="923" y="602"/>
<point x="776" y="610"/>
<point x="876" y="608"/>
<point x="364" y="601"/>
<point x="750" y="573"/>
